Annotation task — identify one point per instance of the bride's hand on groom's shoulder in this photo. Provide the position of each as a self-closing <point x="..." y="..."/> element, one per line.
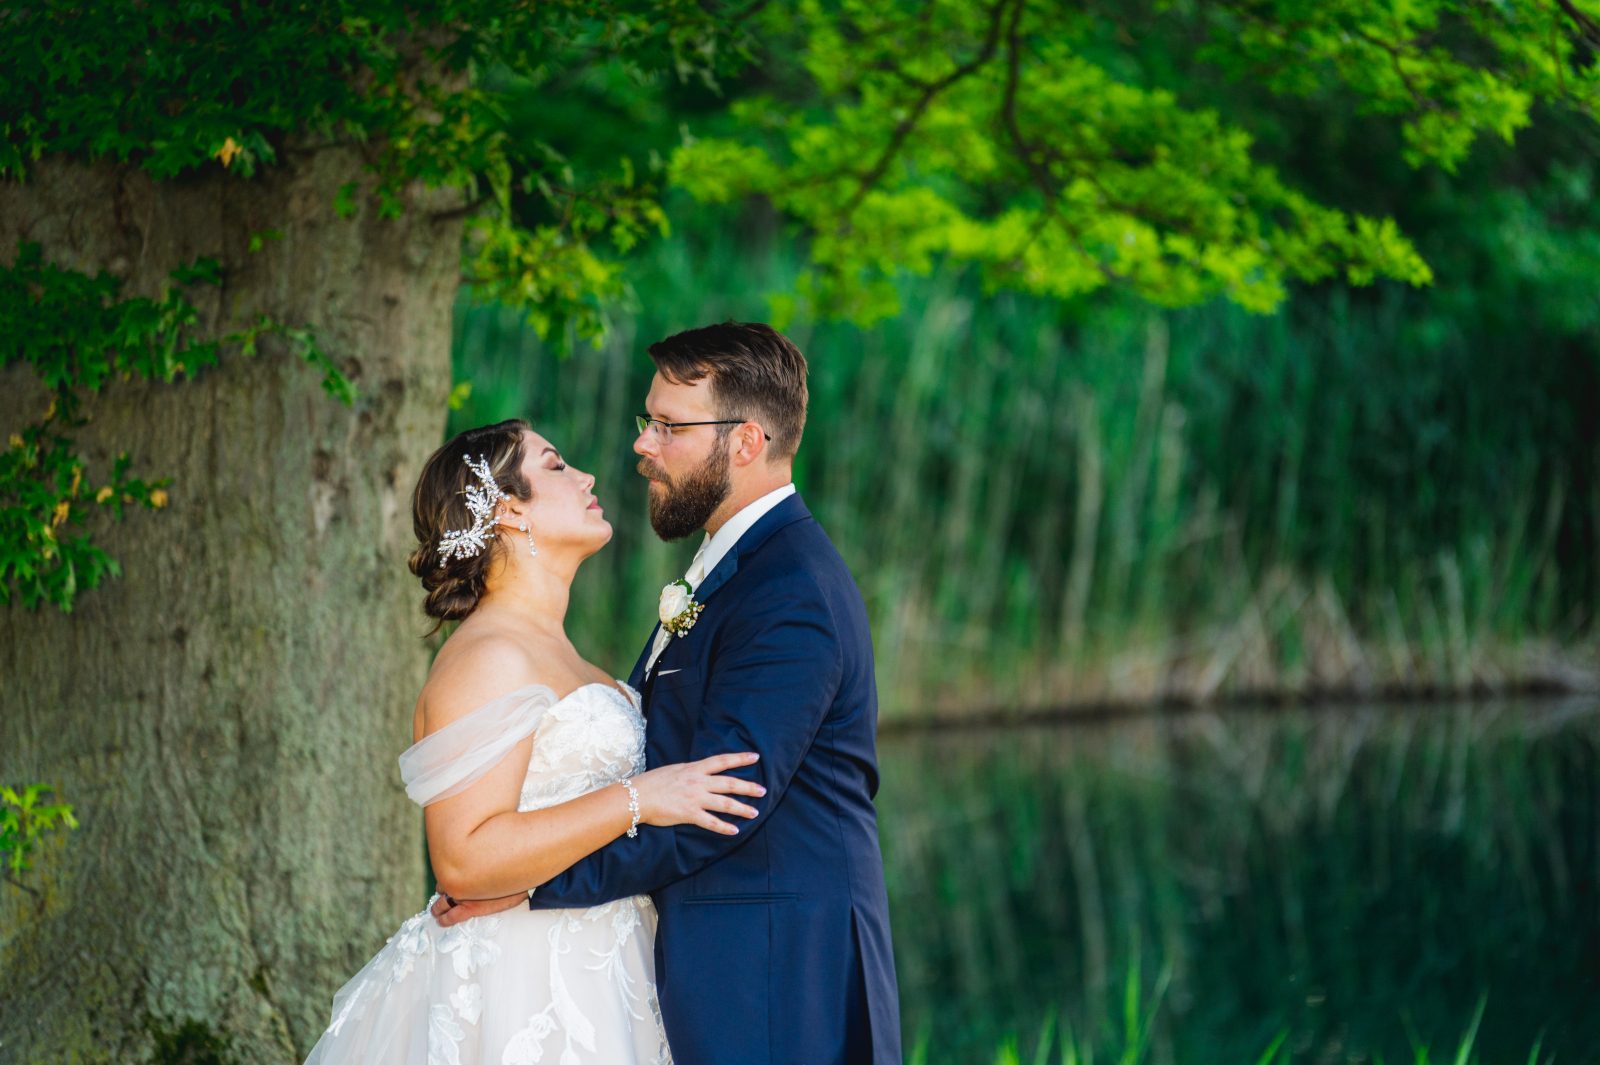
<point x="692" y="793"/>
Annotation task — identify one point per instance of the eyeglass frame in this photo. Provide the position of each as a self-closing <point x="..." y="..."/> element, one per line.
<point x="644" y="421"/>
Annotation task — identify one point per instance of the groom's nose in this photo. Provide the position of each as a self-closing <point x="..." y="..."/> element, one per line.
<point x="645" y="444"/>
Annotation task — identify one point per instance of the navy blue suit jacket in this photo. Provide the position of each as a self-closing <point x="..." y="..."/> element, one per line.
<point x="773" y="945"/>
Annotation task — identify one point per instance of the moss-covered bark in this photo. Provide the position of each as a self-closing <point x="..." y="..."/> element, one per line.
<point x="226" y="716"/>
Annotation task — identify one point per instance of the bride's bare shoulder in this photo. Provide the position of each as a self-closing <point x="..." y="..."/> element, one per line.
<point x="474" y="667"/>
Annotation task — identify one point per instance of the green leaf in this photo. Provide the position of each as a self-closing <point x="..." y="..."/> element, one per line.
<point x="203" y="270"/>
<point x="24" y="822"/>
<point x="344" y="201"/>
<point x="257" y="240"/>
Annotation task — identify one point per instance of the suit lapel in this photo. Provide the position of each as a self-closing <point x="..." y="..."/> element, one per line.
<point x="719" y="576"/>
<point x="787" y="512"/>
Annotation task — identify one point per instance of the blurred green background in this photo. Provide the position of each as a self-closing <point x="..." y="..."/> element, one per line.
<point x="1377" y="489"/>
<point x="1374" y="490"/>
<point x="1373" y="493"/>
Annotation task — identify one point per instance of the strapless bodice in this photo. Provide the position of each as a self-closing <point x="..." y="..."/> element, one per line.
<point x="589" y="740"/>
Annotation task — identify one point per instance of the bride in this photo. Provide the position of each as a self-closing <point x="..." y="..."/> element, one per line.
<point x="527" y="758"/>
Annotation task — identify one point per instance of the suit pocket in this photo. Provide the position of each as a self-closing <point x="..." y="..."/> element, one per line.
<point x="672" y="680"/>
<point x="736" y="900"/>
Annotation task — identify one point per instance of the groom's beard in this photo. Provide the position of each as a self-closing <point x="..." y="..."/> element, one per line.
<point x="683" y="506"/>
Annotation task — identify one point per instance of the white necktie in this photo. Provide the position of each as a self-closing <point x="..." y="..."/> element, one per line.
<point x="696" y="574"/>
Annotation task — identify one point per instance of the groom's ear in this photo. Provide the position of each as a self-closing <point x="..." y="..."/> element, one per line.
<point x="749" y="443"/>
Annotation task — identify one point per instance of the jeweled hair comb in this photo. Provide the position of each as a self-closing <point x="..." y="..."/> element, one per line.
<point x="482" y="498"/>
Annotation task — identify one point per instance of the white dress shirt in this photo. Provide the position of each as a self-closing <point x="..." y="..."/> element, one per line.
<point x="712" y="550"/>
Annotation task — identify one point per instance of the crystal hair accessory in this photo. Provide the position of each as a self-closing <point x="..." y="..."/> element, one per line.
<point x="482" y="498"/>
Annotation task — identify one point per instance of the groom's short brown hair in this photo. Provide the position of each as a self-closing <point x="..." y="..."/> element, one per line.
<point x="756" y="373"/>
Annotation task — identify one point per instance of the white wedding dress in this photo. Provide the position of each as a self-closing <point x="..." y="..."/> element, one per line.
<point x="568" y="987"/>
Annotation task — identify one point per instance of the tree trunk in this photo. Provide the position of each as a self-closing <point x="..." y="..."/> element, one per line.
<point x="227" y="714"/>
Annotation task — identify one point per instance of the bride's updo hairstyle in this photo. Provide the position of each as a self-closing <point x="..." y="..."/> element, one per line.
<point x="439" y="505"/>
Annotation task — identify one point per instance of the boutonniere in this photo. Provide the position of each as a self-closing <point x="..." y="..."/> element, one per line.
<point x="678" y="610"/>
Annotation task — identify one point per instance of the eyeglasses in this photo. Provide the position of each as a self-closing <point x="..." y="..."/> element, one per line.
<point x="663" y="430"/>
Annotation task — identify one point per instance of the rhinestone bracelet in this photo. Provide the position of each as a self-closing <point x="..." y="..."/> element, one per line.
<point x="633" y="807"/>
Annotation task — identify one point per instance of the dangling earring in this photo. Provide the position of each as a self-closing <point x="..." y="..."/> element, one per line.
<point x="531" y="552"/>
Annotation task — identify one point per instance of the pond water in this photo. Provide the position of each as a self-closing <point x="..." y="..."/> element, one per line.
<point x="1358" y="879"/>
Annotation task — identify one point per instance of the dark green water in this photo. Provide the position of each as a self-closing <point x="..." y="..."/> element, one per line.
<point x="1355" y="877"/>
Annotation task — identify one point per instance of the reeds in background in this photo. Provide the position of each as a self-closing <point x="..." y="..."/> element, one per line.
<point x="1047" y="506"/>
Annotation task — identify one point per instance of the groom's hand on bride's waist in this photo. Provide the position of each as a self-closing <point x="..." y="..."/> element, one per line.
<point x="448" y="911"/>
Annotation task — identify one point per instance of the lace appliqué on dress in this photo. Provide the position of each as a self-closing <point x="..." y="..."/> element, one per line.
<point x="582" y="745"/>
<point x="471" y="945"/>
<point x="444" y="1036"/>
<point x="410" y="943"/>
<point x="563" y="1013"/>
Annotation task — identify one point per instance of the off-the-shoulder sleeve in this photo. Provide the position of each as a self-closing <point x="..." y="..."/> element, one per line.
<point x="456" y="757"/>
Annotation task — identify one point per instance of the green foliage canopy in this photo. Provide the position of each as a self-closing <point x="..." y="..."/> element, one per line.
<point x="898" y="132"/>
<point x="175" y="87"/>
<point x="997" y="133"/>
<point x="172" y="85"/>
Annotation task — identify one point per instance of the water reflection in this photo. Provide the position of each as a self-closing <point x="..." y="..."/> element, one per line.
<point x="1352" y="876"/>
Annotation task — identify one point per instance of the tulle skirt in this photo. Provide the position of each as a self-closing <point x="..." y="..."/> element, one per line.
<point x="521" y="987"/>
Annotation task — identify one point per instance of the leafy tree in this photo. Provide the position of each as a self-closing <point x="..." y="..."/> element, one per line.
<point x="189" y="183"/>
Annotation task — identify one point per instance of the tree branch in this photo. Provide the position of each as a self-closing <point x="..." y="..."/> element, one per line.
<point x="1008" y="113"/>
<point x="931" y="89"/>
<point x="459" y="212"/>
<point x="1588" y="29"/>
<point x="16" y="882"/>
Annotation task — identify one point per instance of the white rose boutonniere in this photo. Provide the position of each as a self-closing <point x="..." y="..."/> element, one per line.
<point x="678" y="610"/>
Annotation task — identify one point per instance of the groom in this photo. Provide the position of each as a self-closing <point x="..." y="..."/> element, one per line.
<point x="773" y="945"/>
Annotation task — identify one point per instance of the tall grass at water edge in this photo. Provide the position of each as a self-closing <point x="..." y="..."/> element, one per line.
<point x="1139" y="1022"/>
<point x="1047" y="506"/>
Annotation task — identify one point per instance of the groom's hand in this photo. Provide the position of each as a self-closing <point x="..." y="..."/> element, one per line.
<point x="448" y="911"/>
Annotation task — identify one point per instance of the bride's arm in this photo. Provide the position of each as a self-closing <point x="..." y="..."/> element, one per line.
<point x="483" y="847"/>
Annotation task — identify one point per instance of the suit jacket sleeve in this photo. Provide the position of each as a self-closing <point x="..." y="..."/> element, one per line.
<point x="776" y="669"/>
